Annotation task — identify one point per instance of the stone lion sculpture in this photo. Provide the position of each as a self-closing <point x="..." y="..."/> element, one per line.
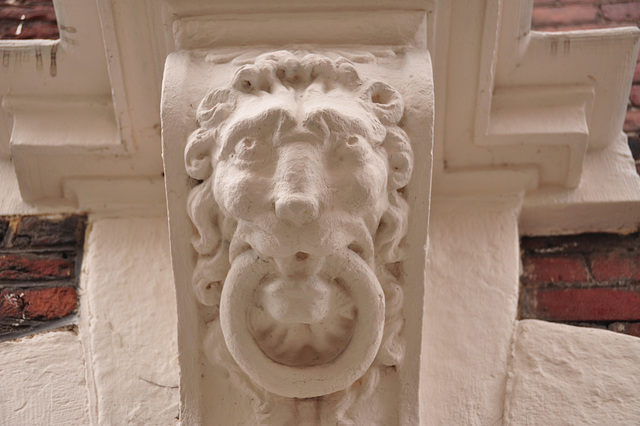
<point x="299" y="210"/>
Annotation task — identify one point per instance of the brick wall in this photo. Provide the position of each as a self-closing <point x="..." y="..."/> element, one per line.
<point x="587" y="279"/>
<point x="27" y="19"/>
<point x="40" y="260"/>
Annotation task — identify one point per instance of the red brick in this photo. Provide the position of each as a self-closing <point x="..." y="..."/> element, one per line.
<point x="634" y="96"/>
<point x="632" y="121"/>
<point x="636" y="74"/>
<point x="554" y="269"/>
<point x="39" y="12"/>
<point x="593" y="2"/>
<point x="631" y="328"/>
<point x="50" y="303"/>
<point x="615" y="266"/>
<point x="11" y="305"/>
<point x="589" y="304"/>
<point x="565" y="15"/>
<point x="22" y="266"/>
<point x="622" y="12"/>
<point x="38" y="231"/>
<point x="38" y="30"/>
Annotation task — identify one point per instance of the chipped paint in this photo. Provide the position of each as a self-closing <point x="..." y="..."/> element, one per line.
<point x="53" y="67"/>
<point x="38" y="59"/>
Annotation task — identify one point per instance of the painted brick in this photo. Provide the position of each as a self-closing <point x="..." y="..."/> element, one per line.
<point x="50" y="303"/>
<point x="632" y="121"/>
<point x="616" y="266"/>
<point x="554" y="269"/>
<point x="631" y="328"/>
<point x="27" y="266"/>
<point x="589" y="304"/>
<point x="37" y="232"/>
<point x="565" y="15"/>
<point x="622" y="12"/>
<point x="11" y="305"/>
<point x="634" y="97"/>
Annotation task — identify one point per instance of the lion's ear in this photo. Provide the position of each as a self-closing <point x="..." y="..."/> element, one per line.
<point x="400" y="156"/>
<point x="214" y="108"/>
<point x="387" y="102"/>
<point x="197" y="155"/>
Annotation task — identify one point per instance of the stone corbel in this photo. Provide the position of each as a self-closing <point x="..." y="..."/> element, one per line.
<point x="298" y="180"/>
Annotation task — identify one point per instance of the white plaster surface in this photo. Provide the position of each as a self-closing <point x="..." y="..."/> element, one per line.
<point x="566" y="375"/>
<point x="470" y="309"/>
<point x="42" y="381"/>
<point x="10" y="200"/>
<point x="128" y="322"/>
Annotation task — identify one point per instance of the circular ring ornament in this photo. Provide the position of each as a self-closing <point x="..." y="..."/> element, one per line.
<point x="245" y="276"/>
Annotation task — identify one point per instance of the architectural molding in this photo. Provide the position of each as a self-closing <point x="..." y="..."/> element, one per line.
<point x="59" y="127"/>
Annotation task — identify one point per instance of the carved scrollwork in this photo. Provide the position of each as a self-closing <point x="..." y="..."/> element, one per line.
<point x="300" y="216"/>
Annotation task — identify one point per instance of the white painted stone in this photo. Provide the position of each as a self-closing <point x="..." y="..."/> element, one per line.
<point x="10" y="200"/>
<point x="43" y="380"/>
<point x="127" y="322"/>
<point x="565" y="375"/>
<point x="607" y="198"/>
<point x="470" y="309"/>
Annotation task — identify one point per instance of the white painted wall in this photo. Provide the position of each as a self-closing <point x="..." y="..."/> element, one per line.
<point x="43" y="381"/>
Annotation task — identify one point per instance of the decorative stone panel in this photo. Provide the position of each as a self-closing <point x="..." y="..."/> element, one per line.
<point x="298" y="184"/>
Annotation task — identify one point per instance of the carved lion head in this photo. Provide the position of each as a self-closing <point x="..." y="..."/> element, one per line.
<point x="300" y="164"/>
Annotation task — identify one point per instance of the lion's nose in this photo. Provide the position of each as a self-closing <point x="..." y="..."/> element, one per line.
<point x="299" y="182"/>
<point x="297" y="209"/>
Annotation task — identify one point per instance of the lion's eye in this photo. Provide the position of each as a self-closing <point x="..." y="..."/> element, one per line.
<point x="246" y="149"/>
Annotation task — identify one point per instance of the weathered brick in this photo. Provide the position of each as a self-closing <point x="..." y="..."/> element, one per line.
<point x="27" y="266"/>
<point x="42" y="12"/>
<point x="11" y="305"/>
<point x="622" y="12"/>
<point x="33" y="30"/>
<point x="554" y="269"/>
<point x="634" y="96"/>
<point x="634" y="145"/>
<point x="616" y="266"/>
<point x="632" y="121"/>
<point x="588" y="304"/>
<point x="631" y="328"/>
<point x="36" y="231"/>
<point x="50" y="303"/>
<point x="636" y="73"/>
<point x="4" y="226"/>
<point x="565" y="15"/>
